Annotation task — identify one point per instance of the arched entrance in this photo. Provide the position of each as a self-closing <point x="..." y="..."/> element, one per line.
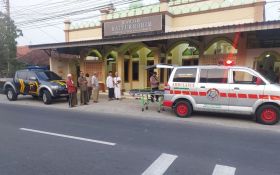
<point x="218" y="51"/>
<point x="183" y="53"/>
<point x="268" y="64"/>
<point x="94" y="63"/>
<point x="111" y="62"/>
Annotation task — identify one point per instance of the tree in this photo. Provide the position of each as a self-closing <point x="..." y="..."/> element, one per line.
<point x="8" y="49"/>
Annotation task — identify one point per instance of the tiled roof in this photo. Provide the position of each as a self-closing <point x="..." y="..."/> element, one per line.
<point x="33" y="57"/>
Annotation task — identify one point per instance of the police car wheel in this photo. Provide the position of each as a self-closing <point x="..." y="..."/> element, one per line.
<point x="11" y="94"/>
<point x="268" y="114"/>
<point x="47" y="98"/>
<point x="183" y="109"/>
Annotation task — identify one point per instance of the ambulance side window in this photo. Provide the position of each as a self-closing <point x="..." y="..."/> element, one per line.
<point x="185" y="75"/>
<point x="213" y="76"/>
<point x="242" y="77"/>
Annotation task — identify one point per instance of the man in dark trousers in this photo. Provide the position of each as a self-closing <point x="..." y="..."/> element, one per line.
<point x="154" y="85"/>
<point x="83" y="89"/>
<point x="110" y="86"/>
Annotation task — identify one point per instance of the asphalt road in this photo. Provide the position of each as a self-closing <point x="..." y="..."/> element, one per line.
<point x="40" y="141"/>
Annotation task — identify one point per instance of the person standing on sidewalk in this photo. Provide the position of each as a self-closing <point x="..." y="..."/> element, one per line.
<point x="154" y="85"/>
<point x="89" y="86"/>
<point x="72" y="91"/>
<point x="83" y="89"/>
<point x="95" y="87"/>
<point x="117" y="86"/>
<point x="110" y="86"/>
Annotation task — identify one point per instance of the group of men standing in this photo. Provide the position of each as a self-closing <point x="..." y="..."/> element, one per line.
<point x="89" y="86"/>
<point x="114" y="86"/>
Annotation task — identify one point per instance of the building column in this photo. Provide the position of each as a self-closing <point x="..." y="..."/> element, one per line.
<point x="83" y="55"/>
<point x="51" y="64"/>
<point x="120" y="67"/>
<point x="67" y="24"/>
<point x="242" y="51"/>
<point x="130" y="72"/>
<point x="104" y="70"/>
<point x="164" y="5"/>
<point x="201" y="47"/>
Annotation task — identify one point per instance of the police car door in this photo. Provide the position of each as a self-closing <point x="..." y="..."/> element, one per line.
<point x="213" y="87"/>
<point x="244" y="91"/>
<point x="32" y="83"/>
<point x="20" y="79"/>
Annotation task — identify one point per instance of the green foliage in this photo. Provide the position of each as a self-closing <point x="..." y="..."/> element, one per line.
<point x="8" y="35"/>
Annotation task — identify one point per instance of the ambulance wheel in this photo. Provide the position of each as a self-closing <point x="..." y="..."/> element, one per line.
<point x="47" y="98"/>
<point x="183" y="109"/>
<point x="11" y="94"/>
<point x="268" y="114"/>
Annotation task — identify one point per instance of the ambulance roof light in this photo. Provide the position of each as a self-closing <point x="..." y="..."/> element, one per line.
<point x="229" y="62"/>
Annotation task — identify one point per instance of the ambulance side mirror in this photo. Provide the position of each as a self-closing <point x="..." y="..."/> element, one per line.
<point x="259" y="81"/>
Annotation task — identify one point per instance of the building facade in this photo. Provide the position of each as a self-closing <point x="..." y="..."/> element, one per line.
<point x="181" y="32"/>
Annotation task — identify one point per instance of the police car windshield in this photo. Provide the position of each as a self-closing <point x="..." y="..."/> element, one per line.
<point x="47" y="76"/>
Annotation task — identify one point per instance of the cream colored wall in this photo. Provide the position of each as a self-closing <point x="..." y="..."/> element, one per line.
<point x="218" y="18"/>
<point x="168" y="23"/>
<point x="85" y="34"/>
<point x="63" y="67"/>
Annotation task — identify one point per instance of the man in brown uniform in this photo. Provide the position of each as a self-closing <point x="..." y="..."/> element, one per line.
<point x="83" y="89"/>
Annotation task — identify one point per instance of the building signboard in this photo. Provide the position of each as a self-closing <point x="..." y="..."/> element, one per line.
<point x="133" y="25"/>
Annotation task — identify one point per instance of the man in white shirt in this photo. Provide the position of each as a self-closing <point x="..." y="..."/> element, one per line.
<point x="110" y="86"/>
<point x="95" y="87"/>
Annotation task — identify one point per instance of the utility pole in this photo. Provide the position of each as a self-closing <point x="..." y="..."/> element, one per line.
<point x="7" y="6"/>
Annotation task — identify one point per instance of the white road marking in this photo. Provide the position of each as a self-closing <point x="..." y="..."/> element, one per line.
<point x="223" y="170"/>
<point x="68" y="136"/>
<point x="160" y="165"/>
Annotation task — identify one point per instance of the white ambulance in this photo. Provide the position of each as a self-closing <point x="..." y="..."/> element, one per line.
<point x="226" y="89"/>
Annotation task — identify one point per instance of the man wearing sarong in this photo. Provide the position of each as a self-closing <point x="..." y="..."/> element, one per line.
<point x="117" y="86"/>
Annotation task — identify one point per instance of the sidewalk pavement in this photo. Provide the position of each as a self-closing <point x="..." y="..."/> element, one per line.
<point x="130" y="107"/>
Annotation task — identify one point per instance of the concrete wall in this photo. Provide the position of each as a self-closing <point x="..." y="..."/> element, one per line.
<point x="216" y="18"/>
<point x="63" y="66"/>
<point x="85" y="34"/>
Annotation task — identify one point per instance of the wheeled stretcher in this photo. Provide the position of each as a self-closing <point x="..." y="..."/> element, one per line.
<point x="145" y="96"/>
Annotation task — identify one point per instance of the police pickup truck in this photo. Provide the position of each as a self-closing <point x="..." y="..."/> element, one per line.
<point x="226" y="89"/>
<point x="36" y="82"/>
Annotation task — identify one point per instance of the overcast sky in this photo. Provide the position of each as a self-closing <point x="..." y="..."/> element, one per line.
<point x="37" y="34"/>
